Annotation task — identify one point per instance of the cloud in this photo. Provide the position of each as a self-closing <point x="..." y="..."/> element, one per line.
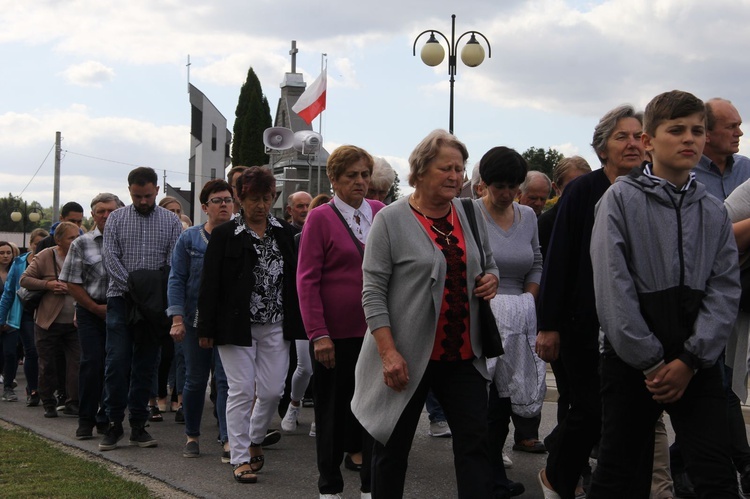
<point x="89" y="74"/>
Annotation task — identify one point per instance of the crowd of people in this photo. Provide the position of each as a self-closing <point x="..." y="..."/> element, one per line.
<point x="372" y="308"/>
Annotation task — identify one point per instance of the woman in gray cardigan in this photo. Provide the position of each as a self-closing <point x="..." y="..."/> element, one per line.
<point x="423" y="280"/>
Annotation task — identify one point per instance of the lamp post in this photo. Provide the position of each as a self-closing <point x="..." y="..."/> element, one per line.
<point x="433" y="53"/>
<point x="32" y="216"/>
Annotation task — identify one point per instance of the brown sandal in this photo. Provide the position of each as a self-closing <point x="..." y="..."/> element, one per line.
<point x="245" y="476"/>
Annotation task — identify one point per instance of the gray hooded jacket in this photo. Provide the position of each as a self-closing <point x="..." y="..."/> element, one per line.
<point x="665" y="273"/>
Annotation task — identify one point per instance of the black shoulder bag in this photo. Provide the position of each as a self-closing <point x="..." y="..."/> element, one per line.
<point x="492" y="345"/>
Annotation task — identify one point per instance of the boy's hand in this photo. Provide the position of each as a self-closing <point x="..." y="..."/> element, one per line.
<point x="668" y="384"/>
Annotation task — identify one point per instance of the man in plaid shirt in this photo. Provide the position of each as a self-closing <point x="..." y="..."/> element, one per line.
<point x="138" y="237"/>
<point x="87" y="283"/>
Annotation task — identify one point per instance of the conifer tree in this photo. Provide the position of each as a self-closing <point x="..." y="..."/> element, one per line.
<point x="252" y="117"/>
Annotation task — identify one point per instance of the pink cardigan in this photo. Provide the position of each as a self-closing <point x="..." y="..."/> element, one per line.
<point x="329" y="277"/>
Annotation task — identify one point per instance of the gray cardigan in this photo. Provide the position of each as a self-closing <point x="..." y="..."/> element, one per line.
<point x="404" y="277"/>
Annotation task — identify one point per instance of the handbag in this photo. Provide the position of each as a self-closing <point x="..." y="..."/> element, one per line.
<point x="30" y="299"/>
<point x="492" y="345"/>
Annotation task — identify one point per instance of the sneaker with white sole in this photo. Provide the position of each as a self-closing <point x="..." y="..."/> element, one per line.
<point x="9" y="395"/>
<point x="439" y="429"/>
<point x="312" y="429"/>
<point x="289" y="423"/>
<point x="507" y="463"/>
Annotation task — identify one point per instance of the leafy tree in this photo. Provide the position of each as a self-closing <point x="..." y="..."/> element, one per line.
<point x="10" y="204"/>
<point x="541" y="160"/>
<point x="252" y="117"/>
<point x="395" y="189"/>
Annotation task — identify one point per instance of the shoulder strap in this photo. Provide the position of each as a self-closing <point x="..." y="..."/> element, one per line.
<point x="468" y="205"/>
<point x="348" y="229"/>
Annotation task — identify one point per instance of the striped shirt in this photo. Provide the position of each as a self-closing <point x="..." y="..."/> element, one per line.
<point x="84" y="265"/>
<point x="134" y="242"/>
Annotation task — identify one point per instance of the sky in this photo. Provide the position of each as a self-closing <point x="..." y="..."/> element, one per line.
<point x="112" y="77"/>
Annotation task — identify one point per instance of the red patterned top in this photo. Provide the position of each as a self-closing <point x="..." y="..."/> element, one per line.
<point x="452" y="341"/>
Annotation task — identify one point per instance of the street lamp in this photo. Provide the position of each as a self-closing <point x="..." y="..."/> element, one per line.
<point x="433" y="54"/>
<point x="33" y="216"/>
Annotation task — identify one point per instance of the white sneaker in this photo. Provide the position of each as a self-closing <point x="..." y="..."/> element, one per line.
<point x="312" y="429"/>
<point x="439" y="429"/>
<point x="330" y="496"/>
<point x="289" y="423"/>
<point x="365" y="495"/>
<point x="507" y="463"/>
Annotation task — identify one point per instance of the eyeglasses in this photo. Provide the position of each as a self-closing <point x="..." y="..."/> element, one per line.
<point x="227" y="200"/>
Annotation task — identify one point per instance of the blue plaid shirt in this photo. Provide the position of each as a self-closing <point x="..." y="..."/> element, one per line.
<point x="84" y="265"/>
<point x="133" y="242"/>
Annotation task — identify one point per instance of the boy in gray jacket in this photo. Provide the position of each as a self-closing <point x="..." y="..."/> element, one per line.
<point x="667" y="291"/>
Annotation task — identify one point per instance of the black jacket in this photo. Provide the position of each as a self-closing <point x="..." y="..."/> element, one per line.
<point x="227" y="283"/>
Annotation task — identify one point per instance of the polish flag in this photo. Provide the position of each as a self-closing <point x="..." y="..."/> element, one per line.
<point x="312" y="102"/>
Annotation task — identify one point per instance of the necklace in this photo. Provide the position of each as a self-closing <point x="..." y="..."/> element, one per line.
<point x="445" y="235"/>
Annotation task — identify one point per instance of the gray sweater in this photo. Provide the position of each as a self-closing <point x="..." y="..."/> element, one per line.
<point x="404" y="277"/>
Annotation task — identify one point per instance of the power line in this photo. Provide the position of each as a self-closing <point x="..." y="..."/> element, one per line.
<point x="128" y="164"/>
<point x="37" y="170"/>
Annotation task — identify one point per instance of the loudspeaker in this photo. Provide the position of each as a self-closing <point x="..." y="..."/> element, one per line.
<point x="307" y="141"/>
<point x="278" y="138"/>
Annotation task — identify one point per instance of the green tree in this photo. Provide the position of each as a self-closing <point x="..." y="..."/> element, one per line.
<point x="10" y="204"/>
<point x="395" y="189"/>
<point x="252" y="117"/>
<point x="541" y="160"/>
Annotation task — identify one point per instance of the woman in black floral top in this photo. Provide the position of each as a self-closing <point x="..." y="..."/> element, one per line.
<point x="248" y="308"/>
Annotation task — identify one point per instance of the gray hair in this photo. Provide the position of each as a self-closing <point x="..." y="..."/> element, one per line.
<point x="383" y="174"/>
<point x="606" y="127"/>
<point x="106" y="197"/>
<point x="530" y="176"/>
<point x="710" y="116"/>
<point x="428" y="149"/>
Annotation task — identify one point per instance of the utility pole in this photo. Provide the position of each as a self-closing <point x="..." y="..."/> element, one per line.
<point x="56" y="185"/>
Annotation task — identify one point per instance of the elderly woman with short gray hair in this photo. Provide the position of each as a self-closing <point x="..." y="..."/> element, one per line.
<point x="423" y="279"/>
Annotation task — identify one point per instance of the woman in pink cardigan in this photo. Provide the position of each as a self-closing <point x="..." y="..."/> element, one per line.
<point x="54" y="328"/>
<point x="329" y="284"/>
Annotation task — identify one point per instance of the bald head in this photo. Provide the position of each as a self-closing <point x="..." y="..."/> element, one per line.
<point x="723" y="131"/>
<point x="535" y="191"/>
<point x="297" y="207"/>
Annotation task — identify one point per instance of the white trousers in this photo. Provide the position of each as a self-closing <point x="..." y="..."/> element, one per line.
<point x="304" y="371"/>
<point x="256" y="371"/>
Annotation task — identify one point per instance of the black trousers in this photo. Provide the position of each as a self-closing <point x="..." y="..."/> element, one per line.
<point x="626" y="450"/>
<point x="337" y="430"/>
<point x="462" y="392"/>
<point x="577" y="434"/>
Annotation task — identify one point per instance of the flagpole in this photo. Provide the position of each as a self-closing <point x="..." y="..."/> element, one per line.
<point x="323" y="59"/>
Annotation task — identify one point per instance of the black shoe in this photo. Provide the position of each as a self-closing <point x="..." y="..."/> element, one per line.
<point x="50" y="411"/>
<point x="191" y="449"/>
<point x="516" y="489"/>
<point x="155" y="414"/>
<point x="350" y="464"/>
<point x="60" y="401"/>
<point x="272" y="437"/>
<point x="71" y="409"/>
<point x="101" y="428"/>
<point x="745" y="480"/>
<point x="140" y="437"/>
<point x="113" y="435"/>
<point x="84" y="431"/>
<point x="683" y="487"/>
<point x="33" y="399"/>
<point x="179" y="416"/>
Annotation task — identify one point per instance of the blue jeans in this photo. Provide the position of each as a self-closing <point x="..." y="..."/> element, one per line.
<point x="126" y="360"/>
<point x="92" y="333"/>
<point x="434" y="410"/>
<point x="10" y="361"/>
<point x="197" y="368"/>
<point x="30" y="358"/>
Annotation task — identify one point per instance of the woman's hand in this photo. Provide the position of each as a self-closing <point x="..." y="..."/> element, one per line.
<point x="57" y="287"/>
<point x="206" y="342"/>
<point x="548" y="345"/>
<point x="486" y="287"/>
<point x="395" y="370"/>
<point x="325" y="352"/>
